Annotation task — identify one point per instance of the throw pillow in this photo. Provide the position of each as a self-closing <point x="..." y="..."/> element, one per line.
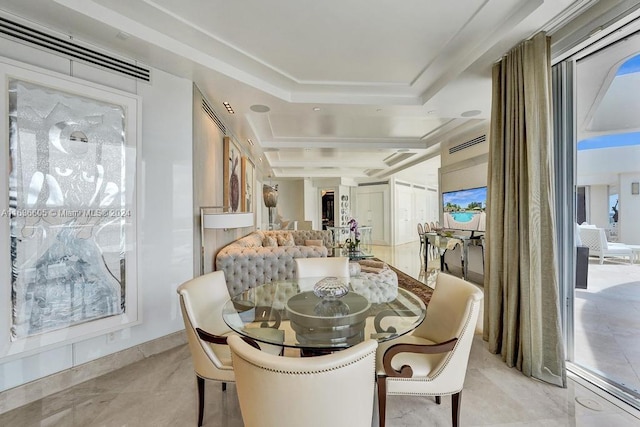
<point x="269" y="241"/>
<point x="285" y="239"/>
<point x="372" y="263"/>
<point x="367" y="269"/>
<point x="313" y="243"/>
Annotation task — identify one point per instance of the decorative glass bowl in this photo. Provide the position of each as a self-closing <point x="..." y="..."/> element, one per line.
<point x="330" y="288"/>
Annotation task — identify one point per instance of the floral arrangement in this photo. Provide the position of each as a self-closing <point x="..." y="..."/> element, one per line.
<point x="353" y="242"/>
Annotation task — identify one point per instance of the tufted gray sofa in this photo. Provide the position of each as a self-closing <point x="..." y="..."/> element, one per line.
<point x="246" y="263"/>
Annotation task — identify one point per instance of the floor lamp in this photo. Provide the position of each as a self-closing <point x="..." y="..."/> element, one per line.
<point x="212" y="218"/>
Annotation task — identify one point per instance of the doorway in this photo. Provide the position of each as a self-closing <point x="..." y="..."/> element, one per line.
<point x="600" y="159"/>
<point x="327" y="208"/>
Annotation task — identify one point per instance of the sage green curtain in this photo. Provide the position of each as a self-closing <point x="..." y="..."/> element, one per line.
<point x="522" y="308"/>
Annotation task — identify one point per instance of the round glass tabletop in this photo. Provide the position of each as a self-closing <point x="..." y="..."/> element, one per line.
<point x="291" y="314"/>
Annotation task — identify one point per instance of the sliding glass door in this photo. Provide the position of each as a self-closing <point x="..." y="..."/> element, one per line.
<point x="597" y="108"/>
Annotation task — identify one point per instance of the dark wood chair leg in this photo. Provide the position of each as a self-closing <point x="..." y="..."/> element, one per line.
<point x="200" y="400"/>
<point x="382" y="399"/>
<point x="455" y="408"/>
<point x="224" y="386"/>
<point x="438" y="400"/>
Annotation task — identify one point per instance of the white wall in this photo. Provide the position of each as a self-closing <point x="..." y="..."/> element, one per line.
<point x="311" y="207"/>
<point x="433" y="205"/>
<point x="629" y="204"/>
<point x="165" y="229"/>
<point x="260" y="207"/>
<point x="291" y="199"/>
<point x="404" y="224"/>
<point x="599" y="205"/>
<point x="614" y="168"/>
<point x="420" y="204"/>
<point x="472" y="152"/>
<point x="466" y="168"/>
<point x="208" y="164"/>
<point x="372" y="207"/>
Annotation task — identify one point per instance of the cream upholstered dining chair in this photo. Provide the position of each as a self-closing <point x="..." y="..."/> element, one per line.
<point x="322" y="267"/>
<point x="432" y="360"/>
<point x="201" y="301"/>
<point x="334" y="390"/>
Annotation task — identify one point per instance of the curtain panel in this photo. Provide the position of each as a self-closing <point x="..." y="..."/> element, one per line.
<point x="522" y="307"/>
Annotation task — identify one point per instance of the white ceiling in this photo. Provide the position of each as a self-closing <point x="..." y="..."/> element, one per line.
<point x="606" y="103"/>
<point x="358" y="88"/>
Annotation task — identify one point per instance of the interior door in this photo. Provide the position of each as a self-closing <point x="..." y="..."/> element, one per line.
<point x="371" y="210"/>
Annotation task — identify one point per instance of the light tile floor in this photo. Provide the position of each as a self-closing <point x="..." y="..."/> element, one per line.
<point x="607" y="322"/>
<point x="161" y="391"/>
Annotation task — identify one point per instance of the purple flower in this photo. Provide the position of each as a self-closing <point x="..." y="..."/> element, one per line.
<point x="353" y="227"/>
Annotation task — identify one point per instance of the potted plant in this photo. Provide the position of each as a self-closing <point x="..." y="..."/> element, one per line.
<point x="353" y="242"/>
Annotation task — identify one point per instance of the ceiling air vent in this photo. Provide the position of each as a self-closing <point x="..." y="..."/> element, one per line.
<point x="70" y="49"/>
<point x="365" y="184"/>
<point x="468" y="144"/>
<point x="212" y="114"/>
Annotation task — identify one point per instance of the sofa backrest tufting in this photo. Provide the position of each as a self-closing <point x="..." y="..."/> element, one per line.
<point x="301" y="236"/>
<point x="247" y="264"/>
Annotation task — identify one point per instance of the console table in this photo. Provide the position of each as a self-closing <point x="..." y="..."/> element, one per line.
<point x="340" y="234"/>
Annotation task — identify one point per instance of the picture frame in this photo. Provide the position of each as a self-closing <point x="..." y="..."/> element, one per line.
<point x="232" y="175"/>
<point x="248" y="189"/>
<point x="84" y="144"/>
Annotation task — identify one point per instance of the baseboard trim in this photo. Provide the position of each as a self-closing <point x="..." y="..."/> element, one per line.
<point x="43" y="387"/>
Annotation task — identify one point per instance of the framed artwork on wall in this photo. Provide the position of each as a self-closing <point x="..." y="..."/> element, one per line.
<point x="248" y="189"/>
<point x="70" y="210"/>
<point x="232" y="175"/>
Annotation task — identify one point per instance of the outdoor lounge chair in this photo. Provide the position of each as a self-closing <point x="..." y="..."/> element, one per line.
<point x="596" y="240"/>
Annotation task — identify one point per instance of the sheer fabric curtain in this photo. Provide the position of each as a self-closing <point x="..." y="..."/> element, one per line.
<point x="522" y="308"/>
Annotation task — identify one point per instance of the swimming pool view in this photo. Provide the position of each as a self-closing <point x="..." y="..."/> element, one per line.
<point x="462" y="216"/>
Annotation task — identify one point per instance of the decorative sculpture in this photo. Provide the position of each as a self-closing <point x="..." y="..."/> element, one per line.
<point x="270" y="197"/>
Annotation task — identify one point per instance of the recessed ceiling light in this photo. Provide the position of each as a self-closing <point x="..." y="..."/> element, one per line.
<point x="122" y="35"/>
<point x="403" y="150"/>
<point x="316" y="108"/>
<point x="258" y="108"/>
<point x="250" y="141"/>
<point x="260" y="158"/>
<point x="471" y="113"/>
<point x="430" y="112"/>
<point x="228" y="107"/>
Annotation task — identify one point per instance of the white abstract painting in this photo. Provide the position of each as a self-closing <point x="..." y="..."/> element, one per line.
<point x="69" y="208"/>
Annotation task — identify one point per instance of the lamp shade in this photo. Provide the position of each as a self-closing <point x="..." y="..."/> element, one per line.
<point x="227" y="220"/>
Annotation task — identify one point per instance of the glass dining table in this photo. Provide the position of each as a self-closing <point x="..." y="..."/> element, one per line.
<point x="290" y="314"/>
